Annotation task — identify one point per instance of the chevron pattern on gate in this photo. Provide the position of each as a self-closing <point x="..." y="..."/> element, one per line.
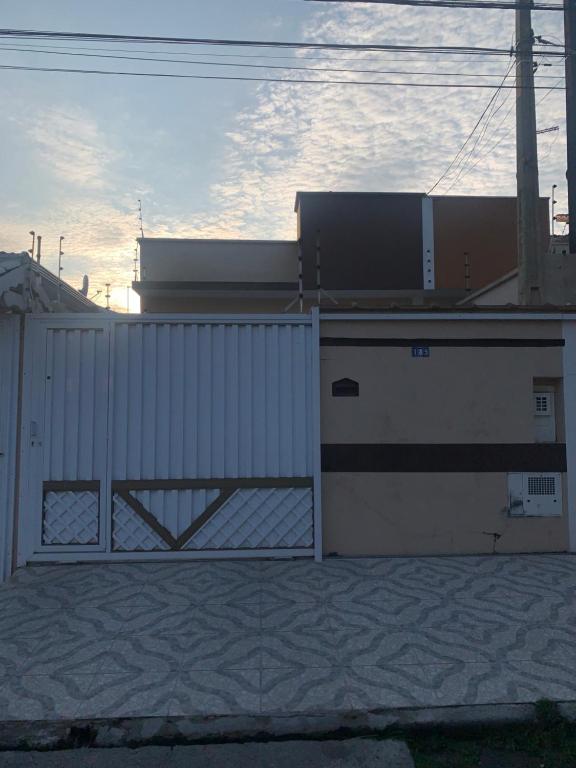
<point x="231" y="514"/>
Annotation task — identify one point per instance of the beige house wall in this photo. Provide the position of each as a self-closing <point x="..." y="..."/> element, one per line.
<point x="458" y="395"/>
<point x="429" y="514"/>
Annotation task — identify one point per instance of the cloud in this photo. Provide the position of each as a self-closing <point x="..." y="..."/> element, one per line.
<point x="72" y="146"/>
<point x="309" y="137"/>
<point x="340" y="137"/>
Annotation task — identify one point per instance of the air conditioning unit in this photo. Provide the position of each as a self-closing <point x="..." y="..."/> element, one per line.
<point x="535" y="494"/>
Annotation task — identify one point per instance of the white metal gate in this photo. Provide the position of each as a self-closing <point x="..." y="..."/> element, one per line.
<point x="161" y="437"/>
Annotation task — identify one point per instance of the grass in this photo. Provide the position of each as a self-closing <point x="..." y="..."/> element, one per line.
<point x="549" y="742"/>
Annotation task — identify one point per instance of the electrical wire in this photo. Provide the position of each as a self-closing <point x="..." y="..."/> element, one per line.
<point x="85" y="36"/>
<point x="456" y="158"/>
<point x="260" y="66"/>
<point x="501" y="4"/>
<point x="258" y="79"/>
<point x="16" y="46"/>
<point x="480" y="138"/>
<point x="505" y="136"/>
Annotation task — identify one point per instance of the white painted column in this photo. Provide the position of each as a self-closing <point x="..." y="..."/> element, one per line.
<point x="428" y="281"/>
<point x="9" y="350"/>
<point x="569" y="385"/>
<point x="316" y="434"/>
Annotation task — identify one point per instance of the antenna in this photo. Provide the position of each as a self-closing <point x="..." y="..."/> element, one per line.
<point x="107" y="295"/>
<point x="554" y="186"/>
<point x="60" y="267"/>
<point x="140" y="216"/>
<point x="38" y="248"/>
<point x="136" y="264"/>
<point x="98" y="292"/>
<point x="128" y="299"/>
<point x="31" y="250"/>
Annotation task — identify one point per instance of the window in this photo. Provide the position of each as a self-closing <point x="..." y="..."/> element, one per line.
<point x="544" y="416"/>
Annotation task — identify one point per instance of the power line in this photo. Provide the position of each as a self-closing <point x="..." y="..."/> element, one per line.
<point x="480" y="138"/>
<point x="258" y="79"/>
<point x="257" y="66"/>
<point x="473" y="131"/>
<point x="16" y="46"/>
<point x="502" y="4"/>
<point x="85" y="36"/>
<point x="500" y="140"/>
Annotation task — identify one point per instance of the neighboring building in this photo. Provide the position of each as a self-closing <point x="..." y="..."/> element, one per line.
<point x="372" y="250"/>
<point x="26" y="286"/>
<point x="558" y="281"/>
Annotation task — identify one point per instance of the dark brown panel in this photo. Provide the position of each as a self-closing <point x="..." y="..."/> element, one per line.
<point x="367" y="240"/>
<point x="483" y="227"/>
<point x="223" y="483"/>
<point x="71" y="485"/>
<point x="345" y="341"/>
<point x="520" y="457"/>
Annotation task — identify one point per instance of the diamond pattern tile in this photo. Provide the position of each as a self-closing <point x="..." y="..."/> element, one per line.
<point x="70" y="517"/>
<point x="259" y="518"/>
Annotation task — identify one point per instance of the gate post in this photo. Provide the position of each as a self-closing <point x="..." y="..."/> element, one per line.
<point x="316" y="434"/>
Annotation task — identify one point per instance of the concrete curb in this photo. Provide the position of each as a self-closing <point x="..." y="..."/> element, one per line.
<point x="170" y="731"/>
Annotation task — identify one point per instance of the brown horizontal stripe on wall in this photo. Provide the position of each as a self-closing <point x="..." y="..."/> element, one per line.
<point x="402" y="457"/>
<point x="222" y="483"/>
<point x="71" y="485"/>
<point x="345" y="341"/>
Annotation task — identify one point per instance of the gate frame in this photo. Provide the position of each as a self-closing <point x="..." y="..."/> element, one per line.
<point x="29" y="546"/>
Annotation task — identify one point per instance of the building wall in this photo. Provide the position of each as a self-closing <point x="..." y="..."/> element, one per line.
<point x="486" y="229"/>
<point x="499" y="295"/>
<point x="213" y="305"/>
<point x="418" y="462"/>
<point x="166" y="259"/>
<point x="367" y="241"/>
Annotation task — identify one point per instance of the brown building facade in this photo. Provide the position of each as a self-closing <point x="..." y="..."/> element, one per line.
<point x="360" y="249"/>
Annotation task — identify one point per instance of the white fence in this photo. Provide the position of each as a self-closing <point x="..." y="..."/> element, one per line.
<point x="9" y="352"/>
<point x="155" y="437"/>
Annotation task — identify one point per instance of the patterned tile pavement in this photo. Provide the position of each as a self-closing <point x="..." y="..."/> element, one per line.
<point x="286" y="637"/>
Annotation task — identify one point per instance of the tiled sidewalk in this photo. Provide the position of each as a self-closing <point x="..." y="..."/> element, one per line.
<point x="193" y="639"/>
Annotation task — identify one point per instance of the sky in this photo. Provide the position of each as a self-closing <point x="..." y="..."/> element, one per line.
<point x="225" y="159"/>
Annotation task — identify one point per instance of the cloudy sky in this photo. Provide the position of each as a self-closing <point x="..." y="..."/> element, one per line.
<point x="224" y="159"/>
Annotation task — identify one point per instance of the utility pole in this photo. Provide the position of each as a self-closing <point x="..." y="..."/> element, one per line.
<point x="529" y="257"/>
<point x="570" y="65"/>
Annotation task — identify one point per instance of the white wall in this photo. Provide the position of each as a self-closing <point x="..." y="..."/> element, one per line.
<point x="500" y="295"/>
<point x="9" y="345"/>
<point x="219" y="260"/>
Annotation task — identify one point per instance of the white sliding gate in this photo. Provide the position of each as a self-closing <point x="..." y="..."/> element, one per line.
<point x="169" y="437"/>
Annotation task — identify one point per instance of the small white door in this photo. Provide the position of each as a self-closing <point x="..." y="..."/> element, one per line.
<point x="67" y="438"/>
